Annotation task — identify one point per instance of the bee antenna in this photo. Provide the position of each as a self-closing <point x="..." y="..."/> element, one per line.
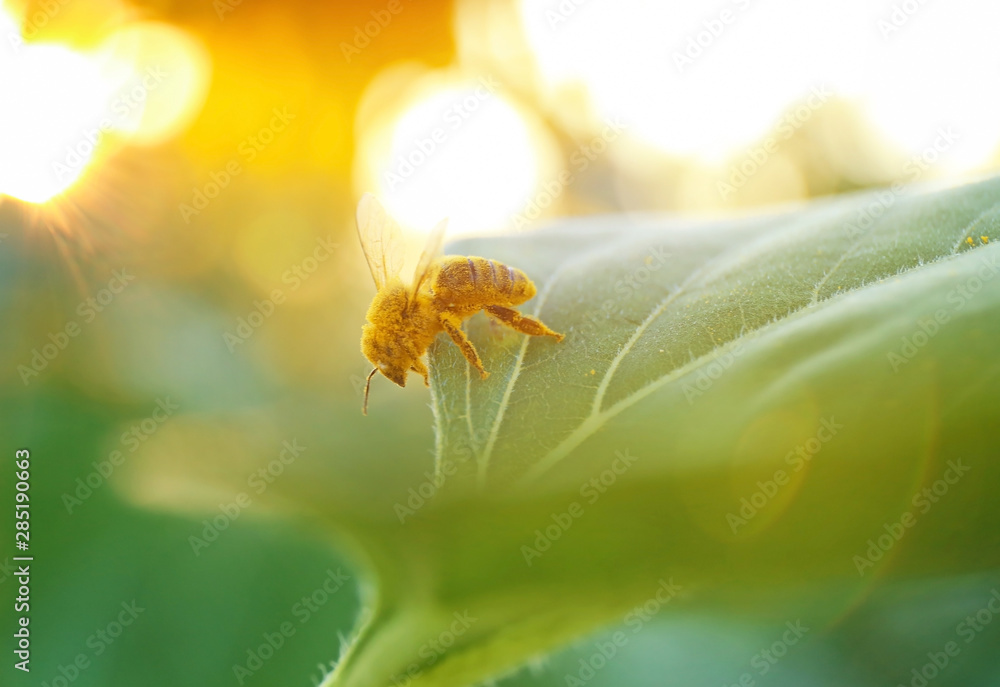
<point x="368" y="383"/>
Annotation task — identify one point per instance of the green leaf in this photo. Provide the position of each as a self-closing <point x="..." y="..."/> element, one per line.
<point x="741" y="410"/>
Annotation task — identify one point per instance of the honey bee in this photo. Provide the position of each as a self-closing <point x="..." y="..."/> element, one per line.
<point x="404" y="319"/>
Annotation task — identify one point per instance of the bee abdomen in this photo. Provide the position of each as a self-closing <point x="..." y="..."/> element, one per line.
<point x="503" y="279"/>
<point x="484" y="280"/>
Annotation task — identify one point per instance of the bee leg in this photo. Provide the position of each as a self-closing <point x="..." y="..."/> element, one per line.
<point x="421" y="369"/>
<point x="522" y="323"/>
<point x="463" y="343"/>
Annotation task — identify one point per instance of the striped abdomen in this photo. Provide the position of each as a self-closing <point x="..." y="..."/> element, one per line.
<point x="472" y="280"/>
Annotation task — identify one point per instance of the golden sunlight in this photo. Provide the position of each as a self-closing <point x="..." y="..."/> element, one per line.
<point x="49" y="97"/>
<point x="453" y="148"/>
<point x="65" y="107"/>
<point x="705" y="84"/>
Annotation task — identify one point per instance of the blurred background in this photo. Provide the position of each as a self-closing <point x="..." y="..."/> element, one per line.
<point x="181" y="282"/>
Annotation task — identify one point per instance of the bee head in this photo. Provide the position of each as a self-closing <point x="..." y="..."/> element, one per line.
<point x="385" y="338"/>
<point x="394" y="371"/>
<point x="387" y="354"/>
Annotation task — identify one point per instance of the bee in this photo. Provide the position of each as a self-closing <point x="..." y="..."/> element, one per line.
<point x="404" y="319"/>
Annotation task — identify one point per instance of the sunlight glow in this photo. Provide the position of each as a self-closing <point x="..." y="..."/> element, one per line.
<point x="48" y="97"/>
<point x="62" y="106"/>
<point x="749" y="62"/>
<point x="458" y="149"/>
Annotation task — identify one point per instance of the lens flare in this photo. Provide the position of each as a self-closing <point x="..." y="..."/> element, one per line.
<point x="50" y="96"/>
<point x="454" y="147"/>
<point x="64" y="107"/>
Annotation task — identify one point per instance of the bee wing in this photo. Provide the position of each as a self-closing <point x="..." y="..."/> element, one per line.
<point x="432" y="250"/>
<point x="379" y="235"/>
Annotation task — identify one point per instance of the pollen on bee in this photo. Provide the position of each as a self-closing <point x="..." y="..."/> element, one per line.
<point x="969" y="241"/>
<point x="403" y="321"/>
<point x="984" y="239"/>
